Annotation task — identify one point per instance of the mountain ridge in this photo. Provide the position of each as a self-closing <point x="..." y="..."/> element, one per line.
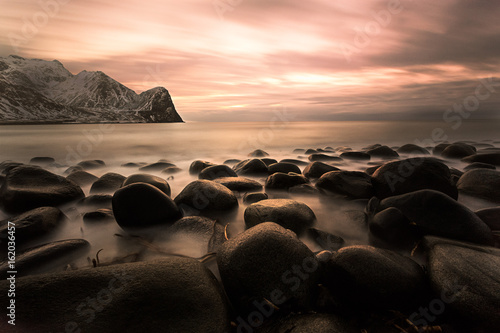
<point x="36" y="90"/>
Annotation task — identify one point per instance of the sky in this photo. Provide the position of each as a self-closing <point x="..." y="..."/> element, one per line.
<point x="244" y="60"/>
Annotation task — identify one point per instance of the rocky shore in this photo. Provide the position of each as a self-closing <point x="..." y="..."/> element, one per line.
<point x="431" y="262"/>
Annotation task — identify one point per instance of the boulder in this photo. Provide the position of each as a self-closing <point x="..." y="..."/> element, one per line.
<point x="269" y="161"/>
<point x="412" y="174"/>
<point x="458" y="150"/>
<point x="157" y="182"/>
<point x="254" y="167"/>
<point x="143" y="205"/>
<point x="239" y="184"/>
<point x="383" y="152"/>
<point x="438" y="149"/>
<point x="258" y="153"/>
<point x="283" y="167"/>
<point x="27" y="187"/>
<point x="325" y="240"/>
<point x="482" y="183"/>
<point x="251" y="198"/>
<point x="206" y="197"/>
<point x="318" y="169"/>
<point x="171" y="170"/>
<point x="92" y="164"/>
<point x="283" y="181"/>
<point x="260" y="263"/>
<point x="42" y="160"/>
<point x="196" y="167"/>
<point x="351" y="184"/>
<point x="435" y="213"/>
<point x="294" y="161"/>
<point x="107" y="183"/>
<point x="479" y="165"/>
<point x="355" y="155"/>
<point x="490" y="216"/>
<point x="394" y="228"/>
<point x="158" y="166"/>
<point x="324" y="158"/>
<point x="290" y="214"/>
<point x="81" y="177"/>
<point x="490" y="158"/>
<point x="412" y="149"/>
<point x="217" y="171"/>
<point x="173" y="294"/>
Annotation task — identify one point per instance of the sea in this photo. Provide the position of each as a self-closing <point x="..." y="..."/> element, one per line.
<point x="182" y="143"/>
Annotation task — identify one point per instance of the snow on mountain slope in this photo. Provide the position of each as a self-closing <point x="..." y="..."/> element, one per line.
<point x="38" y="90"/>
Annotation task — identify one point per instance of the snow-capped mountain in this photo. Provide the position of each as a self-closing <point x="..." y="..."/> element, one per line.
<point x="35" y="90"/>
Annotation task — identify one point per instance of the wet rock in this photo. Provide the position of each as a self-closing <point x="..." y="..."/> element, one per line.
<point x="27" y="187"/>
<point x="490" y="158"/>
<point x="469" y="280"/>
<point x="33" y="224"/>
<point x="283" y="181"/>
<point x="310" y="151"/>
<point x="143" y="205"/>
<point x="412" y="174"/>
<point x="42" y="161"/>
<point x="290" y="214"/>
<point x="368" y="277"/>
<point x="355" y="155"/>
<point x="107" y="183"/>
<point x="46" y="258"/>
<point x="207" y="231"/>
<point x="96" y="201"/>
<point x="82" y="178"/>
<point x="351" y="184"/>
<point x="383" y="152"/>
<point x="269" y="161"/>
<point x="102" y="215"/>
<point x="393" y="227"/>
<point x="206" y="197"/>
<point x="294" y="161"/>
<point x="217" y="171"/>
<point x="376" y="145"/>
<point x="258" y="153"/>
<point x="251" y="198"/>
<point x="158" y="166"/>
<point x="438" y="149"/>
<point x="232" y="161"/>
<point x="324" y="158"/>
<point x="283" y="167"/>
<point x="92" y="164"/>
<point x="258" y="264"/>
<point x="435" y="213"/>
<point x="458" y="150"/>
<point x="318" y="169"/>
<point x="196" y="167"/>
<point x="239" y="184"/>
<point x="325" y="240"/>
<point x="479" y="165"/>
<point x="490" y="216"/>
<point x="171" y="170"/>
<point x="412" y="149"/>
<point x="482" y="183"/>
<point x="173" y="294"/>
<point x="157" y="182"/>
<point x="304" y="189"/>
<point x="254" y="167"/>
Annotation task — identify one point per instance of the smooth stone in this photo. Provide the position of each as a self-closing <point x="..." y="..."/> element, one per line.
<point x="158" y="166"/>
<point x="351" y="184"/>
<point x="290" y="214"/>
<point x="323" y="158"/>
<point x="435" y="213"/>
<point x="217" y="171"/>
<point x="304" y="189"/>
<point x="412" y="149"/>
<point x="438" y="149"/>
<point x="482" y="183"/>
<point x="210" y="233"/>
<point x="196" y="167"/>
<point x="239" y="184"/>
<point x="458" y="150"/>
<point x="376" y="145"/>
<point x="251" y="198"/>
<point x="171" y="170"/>
<point x="47" y="257"/>
<point x="313" y="322"/>
<point x="428" y="243"/>
<point x="33" y="224"/>
<point x="258" y="153"/>
<point x="232" y="161"/>
<point x="133" y="165"/>
<point x="490" y="216"/>
<point x="294" y="161"/>
<point x="156" y="181"/>
<point x="383" y="152"/>
<point x="173" y="294"/>
<point x="368" y="277"/>
<point x="371" y="170"/>
<point x="479" y="165"/>
<point x="283" y="167"/>
<point x="253" y="167"/>
<point x="412" y="174"/>
<point x="72" y="169"/>
<point x="96" y="201"/>
<point x="490" y="158"/>
<point x="310" y="151"/>
<point x="471" y="278"/>
<point x="325" y="240"/>
<point x="102" y="215"/>
<point x="393" y="227"/>
<point x="258" y="263"/>
<point x="92" y="164"/>
<point x="318" y="169"/>
<point x="299" y="151"/>
<point x="82" y="177"/>
<point x="42" y="160"/>
<point x="355" y="155"/>
<point x="143" y="205"/>
<point x="283" y="181"/>
<point x="206" y="197"/>
<point x="27" y="187"/>
<point x="269" y="161"/>
<point x="107" y="183"/>
<point x="6" y="166"/>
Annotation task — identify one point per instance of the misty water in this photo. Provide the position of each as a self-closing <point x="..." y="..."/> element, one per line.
<point x="182" y="143"/>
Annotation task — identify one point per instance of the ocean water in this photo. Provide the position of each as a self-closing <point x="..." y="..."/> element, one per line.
<point x="182" y="143"/>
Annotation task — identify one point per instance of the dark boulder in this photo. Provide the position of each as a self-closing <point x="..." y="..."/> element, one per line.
<point x="490" y="158"/>
<point x="254" y="167"/>
<point x="294" y="161"/>
<point x="479" y="165"/>
<point x="42" y="161"/>
<point x="458" y="150"/>
<point x="81" y="177"/>
<point x="482" y="183"/>
<point x="383" y="152"/>
<point x="239" y="184"/>
<point x="251" y="198"/>
<point x="157" y="182"/>
<point x="318" y="169"/>
<point x="283" y="167"/>
<point x="412" y="149"/>
<point x="490" y="216"/>
<point x="217" y="171"/>
<point x="394" y="228"/>
<point x="158" y="166"/>
<point x="107" y="183"/>
<point x="351" y="184"/>
<point x="196" y="167"/>
<point x="92" y="164"/>
<point x="355" y="155"/>
<point x="269" y="161"/>
<point x="258" y="153"/>
<point x="324" y="158"/>
<point x="171" y="170"/>
<point x="283" y="181"/>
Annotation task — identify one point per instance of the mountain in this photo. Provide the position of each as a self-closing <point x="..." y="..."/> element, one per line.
<point x="34" y="90"/>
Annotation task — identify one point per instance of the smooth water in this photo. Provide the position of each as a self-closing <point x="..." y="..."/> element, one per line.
<point x="181" y="143"/>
